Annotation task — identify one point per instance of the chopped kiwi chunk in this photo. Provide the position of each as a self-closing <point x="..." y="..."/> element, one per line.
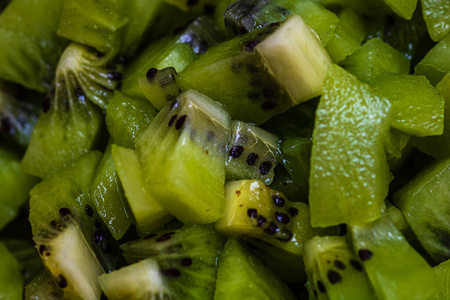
<point x="394" y="268"/>
<point x="334" y="271"/>
<point x="403" y="8"/>
<point x="71" y="124"/>
<point x="69" y="235"/>
<point x="14" y="186"/>
<point x="185" y="147"/>
<point x="436" y="63"/>
<point x="242" y="275"/>
<point x="349" y="177"/>
<point x="11" y="282"/>
<point x="108" y="196"/>
<point x="182" y="263"/>
<point x="437" y="17"/>
<point x="148" y="214"/>
<point x="252" y="153"/>
<point x="29" y="46"/>
<point x="417" y="107"/>
<point x="43" y="287"/>
<point x="374" y="58"/>
<point x="425" y="203"/>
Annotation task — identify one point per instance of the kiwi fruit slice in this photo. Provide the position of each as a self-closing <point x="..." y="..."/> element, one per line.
<point x="394" y="268"/>
<point x="29" y="46"/>
<point x="334" y="272"/>
<point x="126" y="117"/>
<point x="252" y="153"/>
<point x="350" y="176"/>
<point x="241" y="275"/>
<point x="168" y="264"/>
<point x="19" y="112"/>
<point x="71" y="124"/>
<point x="42" y="287"/>
<point x="109" y="198"/>
<point x="11" y="282"/>
<point x="185" y="146"/>
<point x="424" y="202"/>
<point x="69" y="235"/>
<point x="14" y="184"/>
<point x="147" y="212"/>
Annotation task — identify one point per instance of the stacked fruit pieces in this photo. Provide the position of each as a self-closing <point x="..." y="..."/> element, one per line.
<point x="225" y="150"/>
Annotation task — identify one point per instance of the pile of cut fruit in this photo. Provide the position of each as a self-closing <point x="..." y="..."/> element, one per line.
<point x="225" y="150"/>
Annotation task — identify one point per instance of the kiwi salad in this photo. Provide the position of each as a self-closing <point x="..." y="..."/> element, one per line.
<point x="225" y="149"/>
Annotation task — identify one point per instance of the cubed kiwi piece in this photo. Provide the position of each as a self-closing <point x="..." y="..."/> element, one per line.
<point x="241" y="275"/>
<point x="403" y="8"/>
<point x="246" y="16"/>
<point x="147" y="213"/>
<point x="350" y="176"/>
<point x="436" y="63"/>
<point x="11" y="282"/>
<point x="168" y="264"/>
<point x="176" y="50"/>
<point x="255" y="65"/>
<point x="424" y="202"/>
<point x="417" y="107"/>
<point x="334" y="272"/>
<point x="437" y="17"/>
<point x="443" y="272"/>
<point x="252" y="154"/>
<point x="438" y="146"/>
<point x="29" y="46"/>
<point x="14" y="184"/>
<point x="71" y="124"/>
<point x="43" y="287"/>
<point x="394" y="268"/>
<point x="69" y="234"/>
<point x="126" y="117"/>
<point x="108" y="196"/>
<point x="348" y="36"/>
<point x="374" y="58"/>
<point x="185" y="146"/>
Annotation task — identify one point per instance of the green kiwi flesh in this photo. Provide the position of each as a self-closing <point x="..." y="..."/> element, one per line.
<point x="71" y="239"/>
<point x="183" y="263"/>
<point x="241" y="275"/>
<point x="252" y="153"/>
<point x="11" y="282"/>
<point x="334" y="272"/>
<point x="42" y="287"/>
<point x="185" y="146"/>
<point x="443" y="271"/>
<point x="109" y="198"/>
<point x="395" y="269"/>
<point x="147" y="212"/>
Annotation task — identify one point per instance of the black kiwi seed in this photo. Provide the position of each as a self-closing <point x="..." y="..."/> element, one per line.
<point x="42" y="248"/>
<point x="292" y="211"/>
<point x="64" y="211"/>
<point x="334" y="277"/>
<point x="61" y="281"/>
<point x="172" y="272"/>
<point x="261" y="221"/>
<point x="46" y="105"/>
<point x="115" y="75"/>
<point x="98" y="236"/>
<point x="150" y="236"/>
<point x="278" y="201"/>
<point x="209" y="9"/>
<point x="321" y="286"/>
<point x="236" y="151"/>
<point x="265" y="167"/>
<point x="180" y="122"/>
<point x="339" y="264"/>
<point x="172" y="120"/>
<point x="250" y="46"/>
<point x="272" y="229"/>
<point x="186" y="262"/>
<point x="268" y="105"/>
<point x="88" y="210"/>
<point x="252" y="158"/>
<point x="282" y="217"/>
<point x="192" y="2"/>
<point x="53" y="223"/>
<point x="235" y="68"/>
<point x="365" y="254"/>
<point x="252" y="213"/>
<point x="315" y="293"/>
<point x="98" y="224"/>
<point x="355" y="264"/>
<point x="165" y="237"/>
<point x="151" y="73"/>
